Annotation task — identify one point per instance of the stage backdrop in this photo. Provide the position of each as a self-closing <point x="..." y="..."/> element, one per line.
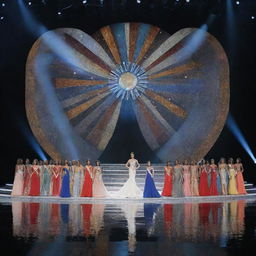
<point x="177" y="86"/>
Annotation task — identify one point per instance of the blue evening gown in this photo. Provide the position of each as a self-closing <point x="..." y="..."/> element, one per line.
<point x="150" y="188"/>
<point x="65" y="188"/>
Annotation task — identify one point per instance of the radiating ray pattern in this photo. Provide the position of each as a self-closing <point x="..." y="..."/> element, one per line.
<point x="170" y="94"/>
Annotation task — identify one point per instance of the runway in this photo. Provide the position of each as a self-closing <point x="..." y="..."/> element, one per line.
<point x="115" y="200"/>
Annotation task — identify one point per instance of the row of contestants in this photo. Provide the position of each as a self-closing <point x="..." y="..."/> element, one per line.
<point x="58" y="179"/>
<point x="204" y="179"/>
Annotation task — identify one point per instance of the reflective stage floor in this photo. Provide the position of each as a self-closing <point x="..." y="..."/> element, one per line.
<point x="128" y="227"/>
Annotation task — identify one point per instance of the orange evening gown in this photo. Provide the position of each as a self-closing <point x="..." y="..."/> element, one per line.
<point x="240" y="183"/>
<point x="34" y="181"/>
<point x="87" y="184"/>
<point x="167" y="190"/>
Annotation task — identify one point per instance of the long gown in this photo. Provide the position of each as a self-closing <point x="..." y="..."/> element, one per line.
<point x="194" y="180"/>
<point x="186" y="183"/>
<point x="150" y="188"/>
<point x="213" y="186"/>
<point x="130" y="188"/>
<point x="87" y="185"/>
<point x="223" y="177"/>
<point x="167" y="190"/>
<point x="77" y="181"/>
<point x="98" y="188"/>
<point x="240" y="182"/>
<point x="34" y="181"/>
<point x="45" y="181"/>
<point x="203" y="184"/>
<point x="177" y="189"/>
<point x="65" y="186"/>
<point x="26" y="185"/>
<point x="232" y="190"/>
<point x="56" y="181"/>
<point x="18" y="183"/>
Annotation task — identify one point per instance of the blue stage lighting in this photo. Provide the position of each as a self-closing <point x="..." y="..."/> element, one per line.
<point x="3" y="4"/>
<point x="233" y="127"/>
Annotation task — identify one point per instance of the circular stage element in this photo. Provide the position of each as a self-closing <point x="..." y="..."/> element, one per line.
<point x="176" y="85"/>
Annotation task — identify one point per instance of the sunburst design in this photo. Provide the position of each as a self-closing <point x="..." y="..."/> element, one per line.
<point x="177" y="101"/>
<point x="129" y="80"/>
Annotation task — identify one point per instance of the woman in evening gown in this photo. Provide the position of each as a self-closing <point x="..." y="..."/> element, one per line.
<point x="150" y="188"/>
<point x="73" y="167"/>
<point x="56" y="179"/>
<point x="167" y="190"/>
<point x="77" y="178"/>
<point x="232" y="189"/>
<point x="203" y="184"/>
<point x="186" y="178"/>
<point x="34" y="179"/>
<point x="239" y="177"/>
<point x="98" y="188"/>
<point x="214" y="174"/>
<point x="194" y="179"/>
<point x="177" y="189"/>
<point x="223" y="170"/>
<point x="18" y="183"/>
<point x="130" y="188"/>
<point x="65" y="185"/>
<point x="26" y="185"/>
<point x="88" y="180"/>
<point x="45" y="179"/>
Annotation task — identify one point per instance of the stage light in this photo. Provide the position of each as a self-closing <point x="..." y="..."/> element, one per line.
<point x="252" y="17"/>
<point x="3" y="4"/>
<point x="237" y="2"/>
<point x="233" y="127"/>
<point x="2" y="17"/>
<point x="138" y="1"/>
<point x="59" y="13"/>
<point x="84" y="1"/>
<point x="187" y="1"/>
<point x="29" y="3"/>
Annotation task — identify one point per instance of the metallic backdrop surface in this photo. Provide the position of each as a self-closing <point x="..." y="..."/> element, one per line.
<point x="177" y="86"/>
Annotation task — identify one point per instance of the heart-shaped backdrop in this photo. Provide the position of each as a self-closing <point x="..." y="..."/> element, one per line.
<point x="177" y="86"/>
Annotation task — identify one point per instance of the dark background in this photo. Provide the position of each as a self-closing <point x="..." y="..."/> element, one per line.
<point x="237" y="38"/>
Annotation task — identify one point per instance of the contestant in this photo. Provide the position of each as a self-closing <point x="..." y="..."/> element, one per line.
<point x="223" y="170"/>
<point x="27" y="170"/>
<point x="65" y="185"/>
<point x="232" y="189"/>
<point x="34" y="179"/>
<point x="45" y="179"/>
<point x="186" y="178"/>
<point x="130" y="188"/>
<point x="214" y="174"/>
<point x="98" y="188"/>
<point x="56" y="179"/>
<point x="194" y="179"/>
<point x="150" y="188"/>
<point x="17" y="189"/>
<point x="77" y="179"/>
<point x="203" y="184"/>
<point x="88" y="180"/>
<point x="73" y="167"/>
<point x="168" y="170"/>
<point x="239" y="177"/>
<point x="177" y="189"/>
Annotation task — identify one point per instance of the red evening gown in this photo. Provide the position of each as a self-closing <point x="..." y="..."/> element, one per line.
<point x="55" y="180"/>
<point x="213" y="186"/>
<point x="203" y="184"/>
<point x="167" y="190"/>
<point x="34" y="181"/>
<point x="87" y="185"/>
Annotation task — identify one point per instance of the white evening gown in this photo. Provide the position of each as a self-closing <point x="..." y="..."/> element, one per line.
<point x="130" y="188"/>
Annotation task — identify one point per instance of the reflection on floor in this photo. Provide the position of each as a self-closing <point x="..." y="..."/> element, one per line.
<point x="104" y="228"/>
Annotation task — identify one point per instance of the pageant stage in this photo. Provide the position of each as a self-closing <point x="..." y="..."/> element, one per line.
<point x="114" y="176"/>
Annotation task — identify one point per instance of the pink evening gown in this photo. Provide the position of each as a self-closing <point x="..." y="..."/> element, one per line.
<point x="18" y="183"/>
<point x="98" y="187"/>
<point x="186" y="177"/>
